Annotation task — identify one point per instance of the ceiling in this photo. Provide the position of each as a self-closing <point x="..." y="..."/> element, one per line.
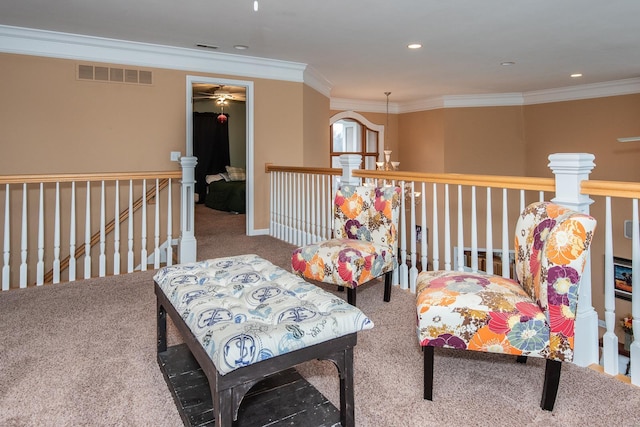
<point x="359" y="46"/>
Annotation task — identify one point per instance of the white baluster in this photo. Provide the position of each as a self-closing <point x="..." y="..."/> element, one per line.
<point x="435" y="237"/>
<point x="143" y="227"/>
<point x="23" y="239"/>
<point x="460" y="254"/>
<point x="506" y="259"/>
<point x="522" y="200"/>
<point x="169" y="224"/>
<point x="6" y="269"/>
<point x="423" y="221"/>
<point x="447" y="229"/>
<point x="279" y="205"/>
<point x="156" y="230"/>
<point x="272" y="203"/>
<point x="326" y="212"/>
<point x="130" y="255"/>
<point x="489" y="247"/>
<point x="474" y="230"/>
<point x="102" y="259"/>
<point x="610" y="339"/>
<point x="304" y="211"/>
<point x="87" y="234"/>
<point x="288" y="205"/>
<point x="56" y="237"/>
<point x="404" y="268"/>
<point x="116" y="230"/>
<point x="413" y="271"/>
<point x="40" y="264"/>
<point x="72" y="235"/>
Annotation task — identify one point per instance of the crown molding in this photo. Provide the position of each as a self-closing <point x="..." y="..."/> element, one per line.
<point x="343" y="104"/>
<point x="572" y="93"/>
<point x="317" y="81"/>
<point x="26" y="41"/>
<point x="586" y="91"/>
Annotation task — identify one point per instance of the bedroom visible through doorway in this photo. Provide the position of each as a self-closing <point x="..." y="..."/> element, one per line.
<point x="219" y="134"/>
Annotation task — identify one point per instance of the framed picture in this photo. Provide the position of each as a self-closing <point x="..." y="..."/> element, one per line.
<point x="622" y="277"/>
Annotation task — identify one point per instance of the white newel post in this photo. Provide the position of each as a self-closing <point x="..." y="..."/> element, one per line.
<point x="570" y="169"/>
<point x="187" y="248"/>
<point x="349" y="163"/>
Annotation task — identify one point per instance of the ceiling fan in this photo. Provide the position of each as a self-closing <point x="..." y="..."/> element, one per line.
<point x="222" y="94"/>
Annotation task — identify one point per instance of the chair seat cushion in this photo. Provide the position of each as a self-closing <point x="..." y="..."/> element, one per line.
<point x="343" y="262"/>
<point x="481" y="312"/>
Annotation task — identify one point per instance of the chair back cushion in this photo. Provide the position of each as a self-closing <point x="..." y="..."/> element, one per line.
<point x="367" y="213"/>
<point x="552" y="244"/>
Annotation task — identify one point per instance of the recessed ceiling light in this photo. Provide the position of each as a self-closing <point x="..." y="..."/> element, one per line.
<point x="414" y="46"/>
<point x="241" y="47"/>
<point x="576" y="75"/>
<point x="507" y="63"/>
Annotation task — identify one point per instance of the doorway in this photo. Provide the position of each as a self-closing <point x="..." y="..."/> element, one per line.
<point x="196" y="86"/>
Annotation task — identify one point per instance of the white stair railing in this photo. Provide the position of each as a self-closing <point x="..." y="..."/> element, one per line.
<point x="41" y="207"/>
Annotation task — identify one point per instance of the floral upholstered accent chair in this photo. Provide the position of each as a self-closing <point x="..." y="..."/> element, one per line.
<point x="364" y="244"/>
<point x="531" y="316"/>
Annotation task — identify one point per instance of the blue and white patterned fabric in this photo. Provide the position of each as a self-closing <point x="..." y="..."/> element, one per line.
<point x="244" y="309"/>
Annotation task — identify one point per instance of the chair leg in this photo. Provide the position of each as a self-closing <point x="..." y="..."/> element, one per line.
<point x="351" y="296"/>
<point x="388" y="276"/>
<point x="551" y="382"/>
<point x="521" y="359"/>
<point x="428" y="372"/>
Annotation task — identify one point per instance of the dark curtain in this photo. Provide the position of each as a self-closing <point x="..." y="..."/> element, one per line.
<point x="211" y="147"/>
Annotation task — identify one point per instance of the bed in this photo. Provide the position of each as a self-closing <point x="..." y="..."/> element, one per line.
<point x="227" y="196"/>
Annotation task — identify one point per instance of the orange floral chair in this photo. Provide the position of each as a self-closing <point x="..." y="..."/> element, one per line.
<point x="533" y="316"/>
<point x="364" y="244"/>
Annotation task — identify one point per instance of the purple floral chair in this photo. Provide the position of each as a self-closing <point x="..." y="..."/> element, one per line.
<point x="533" y="316"/>
<point x="364" y="244"/>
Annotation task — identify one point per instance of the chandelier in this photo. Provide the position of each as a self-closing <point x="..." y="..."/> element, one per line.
<point x="387" y="164"/>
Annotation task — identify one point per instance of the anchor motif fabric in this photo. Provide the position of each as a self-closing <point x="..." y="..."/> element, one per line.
<point x="533" y="316"/>
<point x="244" y="309"/>
<point x="365" y="238"/>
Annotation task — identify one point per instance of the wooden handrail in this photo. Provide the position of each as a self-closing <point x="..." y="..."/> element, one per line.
<point x="102" y="176"/>
<point x="109" y="227"/>
<point x="509" y="182"/>
<point x="629" y="190"/>
<point x="268" y="167"/>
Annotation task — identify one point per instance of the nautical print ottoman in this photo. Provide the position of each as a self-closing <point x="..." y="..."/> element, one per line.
<point x="244" y="318"/>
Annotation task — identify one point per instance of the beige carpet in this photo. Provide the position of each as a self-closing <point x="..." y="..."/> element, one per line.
<point x="83" y="354"/>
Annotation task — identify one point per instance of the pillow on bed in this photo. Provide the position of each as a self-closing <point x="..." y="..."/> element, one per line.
<point x="217" y="177"/>
<point x="236" y="174"/>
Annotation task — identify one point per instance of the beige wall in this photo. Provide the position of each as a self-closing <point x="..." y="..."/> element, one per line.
<point x="54" y="123"/>
<point x="423" y="141"/>
<point x="315" y="138"/>
<point x="487" y="140"/>
<point x="586" y="126"/>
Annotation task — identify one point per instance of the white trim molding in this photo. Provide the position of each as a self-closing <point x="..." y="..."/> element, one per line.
<point x="27" y="41"/>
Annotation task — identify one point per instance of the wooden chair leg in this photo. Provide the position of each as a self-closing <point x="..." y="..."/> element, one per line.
<point x="388" y="276"/>
<point x="428" y="372"/>
<point x="551" y="382"/>
<point x="521" y="359"/>
<point x="351" y="296"/>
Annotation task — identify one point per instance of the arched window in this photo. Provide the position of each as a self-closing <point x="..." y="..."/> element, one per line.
<point x="352" y="133"/>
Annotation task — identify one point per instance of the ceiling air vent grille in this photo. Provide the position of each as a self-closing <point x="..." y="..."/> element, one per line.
<point x="114" y="75"/>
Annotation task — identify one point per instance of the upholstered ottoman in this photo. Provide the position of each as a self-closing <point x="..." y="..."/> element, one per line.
<point x="244" y="318"/>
